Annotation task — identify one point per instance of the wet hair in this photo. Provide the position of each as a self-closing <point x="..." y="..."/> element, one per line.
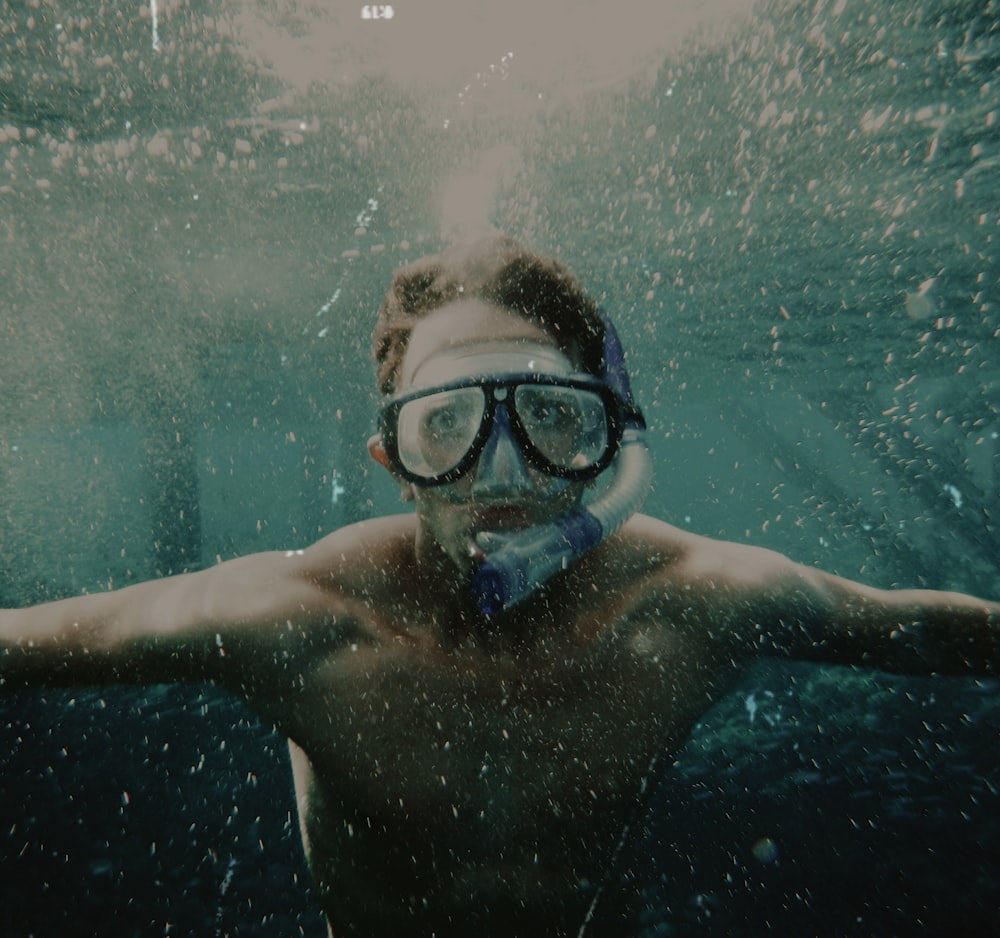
<point x="497" y="270"/>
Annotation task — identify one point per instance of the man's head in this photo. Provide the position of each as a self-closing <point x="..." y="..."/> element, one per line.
<point x="498" y="271"/>
<point x="496" y="415"/>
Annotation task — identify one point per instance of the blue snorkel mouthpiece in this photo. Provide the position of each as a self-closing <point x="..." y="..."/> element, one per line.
<point x="526" y="560"/>
<point x="531" y="557"/>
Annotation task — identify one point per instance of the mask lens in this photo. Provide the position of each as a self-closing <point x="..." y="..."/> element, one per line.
<point x="435" y="432"/>
<point x="568" y="426"/>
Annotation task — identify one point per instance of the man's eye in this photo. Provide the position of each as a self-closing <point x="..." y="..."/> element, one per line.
<point x="548" y="413"/>
<point x="441" y="421"/>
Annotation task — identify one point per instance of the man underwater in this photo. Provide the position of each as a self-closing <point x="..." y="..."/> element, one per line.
<point x="474" y="693"/>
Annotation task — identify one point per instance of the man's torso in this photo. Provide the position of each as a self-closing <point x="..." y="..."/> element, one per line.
<point x="479" y="784"/>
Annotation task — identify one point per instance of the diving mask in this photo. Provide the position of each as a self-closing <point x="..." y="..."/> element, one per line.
<point x="565" y="424"/>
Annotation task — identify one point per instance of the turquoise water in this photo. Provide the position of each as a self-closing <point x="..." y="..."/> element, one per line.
<point x="792" y="213"/>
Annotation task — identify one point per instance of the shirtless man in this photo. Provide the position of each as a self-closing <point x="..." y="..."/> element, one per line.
<point x="468" y="772"/>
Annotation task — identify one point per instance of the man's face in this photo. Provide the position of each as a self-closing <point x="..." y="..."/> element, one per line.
<point x="501" y="493"/>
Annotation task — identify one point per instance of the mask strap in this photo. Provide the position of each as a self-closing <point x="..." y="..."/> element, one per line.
<point x="616" y="374"/>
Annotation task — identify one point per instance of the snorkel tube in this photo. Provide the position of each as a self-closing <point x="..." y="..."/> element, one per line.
<point x="529" y="558"/>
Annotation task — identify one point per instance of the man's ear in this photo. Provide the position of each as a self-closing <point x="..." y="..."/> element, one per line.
<point x="377" y="452"/>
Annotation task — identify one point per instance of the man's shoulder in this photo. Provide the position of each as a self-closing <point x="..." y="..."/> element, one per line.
<point x="660" y="541"/>
<point x="688" y="556"/>
<point x="385" y="538"/>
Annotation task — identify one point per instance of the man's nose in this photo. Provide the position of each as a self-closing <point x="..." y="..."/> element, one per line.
<point x="501" y="469"/>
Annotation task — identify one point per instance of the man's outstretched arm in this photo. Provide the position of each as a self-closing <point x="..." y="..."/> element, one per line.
<point x="822" y="617"/>
<point x="248" y="624"/>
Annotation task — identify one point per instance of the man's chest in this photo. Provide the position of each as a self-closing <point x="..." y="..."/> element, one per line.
<point x="466" y="777"/>
<point x="414" y="736"/>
